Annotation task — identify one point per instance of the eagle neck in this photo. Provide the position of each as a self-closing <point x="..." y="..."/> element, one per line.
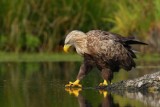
<point x="81" y="45"/>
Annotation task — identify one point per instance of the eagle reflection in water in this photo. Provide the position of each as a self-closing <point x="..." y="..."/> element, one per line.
<point x="107" y="99"/>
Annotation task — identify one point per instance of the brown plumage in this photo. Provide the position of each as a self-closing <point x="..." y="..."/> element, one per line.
<point x="107" y="51"/>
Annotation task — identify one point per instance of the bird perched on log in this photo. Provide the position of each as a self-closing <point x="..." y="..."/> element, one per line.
<point x="107" y="51"/>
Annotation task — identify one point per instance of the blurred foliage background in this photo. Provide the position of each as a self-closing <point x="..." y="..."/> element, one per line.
<point x="41" y="25"/>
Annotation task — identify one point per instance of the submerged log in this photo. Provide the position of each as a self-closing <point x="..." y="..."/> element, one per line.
<point x="149" y="82"/>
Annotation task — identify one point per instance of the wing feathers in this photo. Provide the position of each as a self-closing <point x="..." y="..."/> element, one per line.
<point x="130" y="42"/>
<point x="112" y="49"/>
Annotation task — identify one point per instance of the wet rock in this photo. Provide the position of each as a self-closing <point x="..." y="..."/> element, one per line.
<point x="149" y="82"/>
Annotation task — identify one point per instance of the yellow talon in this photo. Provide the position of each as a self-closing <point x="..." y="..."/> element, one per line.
<point x="74" y="84"/>
<point x="105" y="83"/>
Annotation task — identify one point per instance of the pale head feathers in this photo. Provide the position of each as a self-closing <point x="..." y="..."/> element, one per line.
<point x="73" y="36"/>
<point x="78" y="39"/>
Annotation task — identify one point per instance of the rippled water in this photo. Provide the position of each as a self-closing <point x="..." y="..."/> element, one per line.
<point x="42" y="85"/>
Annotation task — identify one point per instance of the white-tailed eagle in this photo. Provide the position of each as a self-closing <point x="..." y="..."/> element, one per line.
<point x="107" y="51"/>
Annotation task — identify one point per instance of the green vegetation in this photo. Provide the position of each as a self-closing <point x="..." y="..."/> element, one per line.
<point x="149" y="57"/>
<point x="40" y="26"/>
<point x="35" y="57"/>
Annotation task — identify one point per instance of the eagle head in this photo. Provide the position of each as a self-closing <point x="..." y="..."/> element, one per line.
<point x="76" y="39"/>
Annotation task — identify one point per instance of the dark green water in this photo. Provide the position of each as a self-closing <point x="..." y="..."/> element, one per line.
<point x="42" y="85"/>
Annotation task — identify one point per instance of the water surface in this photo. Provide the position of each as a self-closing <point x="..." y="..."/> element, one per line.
<point x="42" y="85"/>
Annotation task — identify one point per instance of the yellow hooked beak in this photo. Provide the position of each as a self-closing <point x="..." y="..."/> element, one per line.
<point x="66" y="48"/>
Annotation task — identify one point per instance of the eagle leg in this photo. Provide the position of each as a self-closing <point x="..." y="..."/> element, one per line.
<point x="83" y="71"/>
<point x="107" y="76"/>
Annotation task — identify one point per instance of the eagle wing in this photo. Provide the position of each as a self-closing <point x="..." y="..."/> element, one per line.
<point x="111" y="49"/>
